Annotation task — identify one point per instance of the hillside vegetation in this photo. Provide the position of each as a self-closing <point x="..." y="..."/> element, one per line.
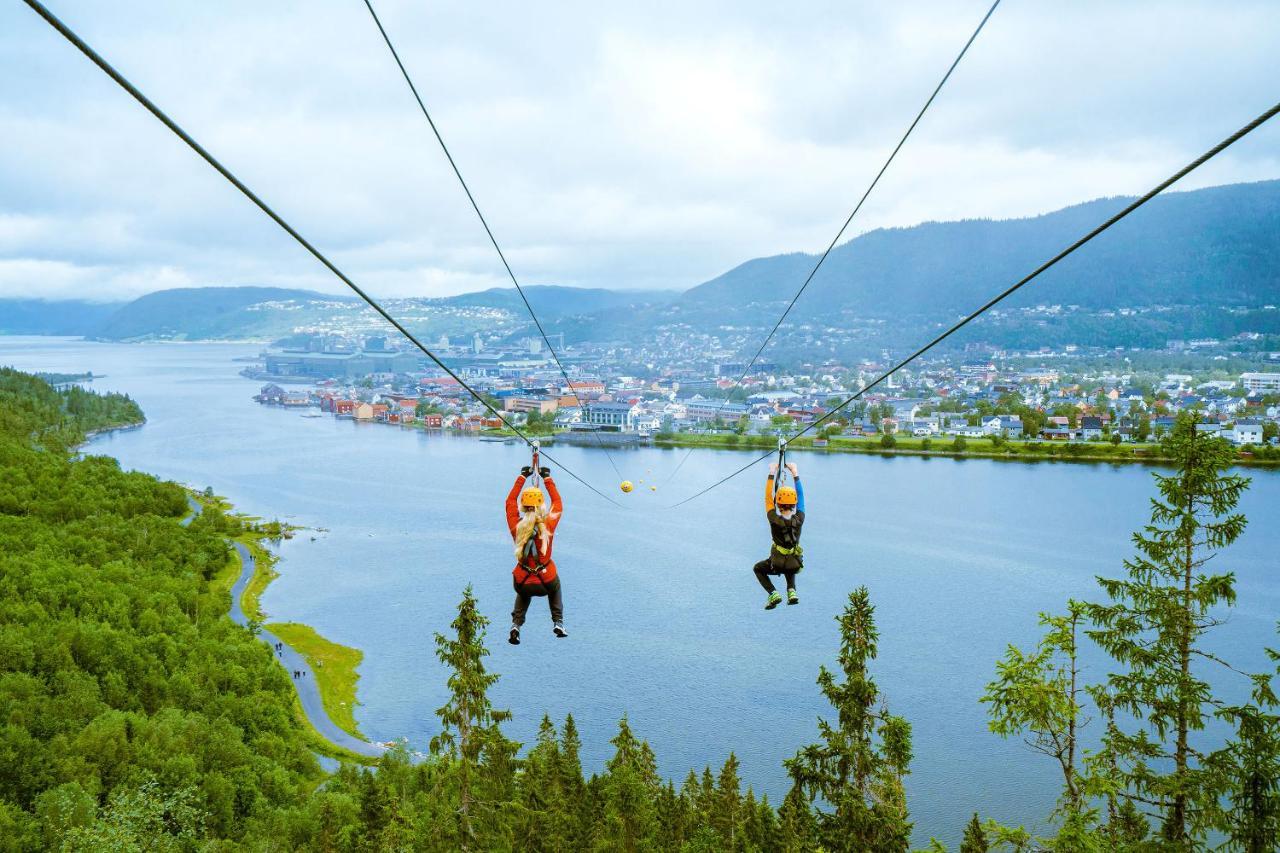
<point x="133" y="714"/>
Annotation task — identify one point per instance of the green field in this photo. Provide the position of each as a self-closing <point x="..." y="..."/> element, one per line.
<point x="334" y="666"/>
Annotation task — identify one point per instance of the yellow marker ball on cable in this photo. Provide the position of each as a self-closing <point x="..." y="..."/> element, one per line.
<point x="626" y="486"/>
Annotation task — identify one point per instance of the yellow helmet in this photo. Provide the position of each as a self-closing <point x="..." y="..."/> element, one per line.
<point x="531" y="497"/>
<point x="626" y="486"/>
<point x="786" y="495"/>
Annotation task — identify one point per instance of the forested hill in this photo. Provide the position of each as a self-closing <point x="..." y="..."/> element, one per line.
<point x="1210" y="247"/>
<point x="133" y="714"/>
<point x="203" y="313"/>
<point x="33" y="411"/>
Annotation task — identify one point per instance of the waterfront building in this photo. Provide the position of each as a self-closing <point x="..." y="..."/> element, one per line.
<point x="617" y="416"/>
<point x="526" y="404"/>
<point x="1246" y="432"/>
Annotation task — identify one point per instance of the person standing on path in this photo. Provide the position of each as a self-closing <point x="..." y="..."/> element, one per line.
<point x="532" y="529"/>
<point x="784" y="508"/>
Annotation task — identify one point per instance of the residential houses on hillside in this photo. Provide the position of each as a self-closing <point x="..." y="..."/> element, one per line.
<point x="972" y="399"/>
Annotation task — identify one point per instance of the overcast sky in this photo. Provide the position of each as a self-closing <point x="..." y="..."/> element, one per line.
<point x="614" y="145"/>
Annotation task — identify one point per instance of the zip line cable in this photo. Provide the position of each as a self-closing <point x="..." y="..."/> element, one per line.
<point x="476" y="207"/>
<point x="1137" y="203"/>
<point x="151" y="107"/>
<point x="813" y="272"/>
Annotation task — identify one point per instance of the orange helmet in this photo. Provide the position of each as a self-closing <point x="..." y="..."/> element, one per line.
<point x="786" y="496"/>
<point x="531" y="497"/>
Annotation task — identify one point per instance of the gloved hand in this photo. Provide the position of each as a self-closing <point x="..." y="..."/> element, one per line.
<point x="526" y="471"/>
<point x="544" y="472"/>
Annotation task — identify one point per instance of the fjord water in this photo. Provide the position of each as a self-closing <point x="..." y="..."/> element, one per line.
<point x="665" y="618"/>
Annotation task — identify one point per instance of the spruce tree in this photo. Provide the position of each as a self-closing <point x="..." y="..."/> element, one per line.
<point x="571" y="812"/>
<point x="1155" y="625"/>
<point x="770" y="832"/>
<point x="470" y="733"/>
<point x="858" y="768"/>
<point x="796" y="827"/>
<point x="670" y="814"/>
<point x="707" y="795"/>
<point x="629" y="786"/>
<point x="750" y="828"/>
<point x="539" y="796"/>
<point x="726" y="813"/>
<point x="1038" y="695"/>
<point x="975" y="839"/>
<point x="1252" y="763"/>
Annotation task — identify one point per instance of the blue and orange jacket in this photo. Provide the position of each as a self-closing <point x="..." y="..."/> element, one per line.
<point x="526" y="573"/>
<point x="784" y="531"/>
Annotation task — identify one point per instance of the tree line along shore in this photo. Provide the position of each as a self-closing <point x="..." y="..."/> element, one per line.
<point x="135" y="715"/>
<point x="994" y="447"/>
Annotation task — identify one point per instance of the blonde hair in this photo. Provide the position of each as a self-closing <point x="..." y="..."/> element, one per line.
<point x="524" y="530"/>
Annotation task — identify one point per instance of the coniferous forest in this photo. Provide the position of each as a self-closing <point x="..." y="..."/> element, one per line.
<point x="134" y="715"/>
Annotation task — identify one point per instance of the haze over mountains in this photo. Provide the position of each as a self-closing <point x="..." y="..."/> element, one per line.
<point x="1204" y="250"/>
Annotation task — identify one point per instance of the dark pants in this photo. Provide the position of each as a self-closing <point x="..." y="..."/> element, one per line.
<point x="552" y="592"/>
<point x="764" y="568"/>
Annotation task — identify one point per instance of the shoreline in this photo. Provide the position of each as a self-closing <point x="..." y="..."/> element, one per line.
<point x="319" y="694"/>
<point x="1019" y="451"/>
<point x="94" y="433"/>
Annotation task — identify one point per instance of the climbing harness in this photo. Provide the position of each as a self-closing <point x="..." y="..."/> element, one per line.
<point x="531" y="550"/>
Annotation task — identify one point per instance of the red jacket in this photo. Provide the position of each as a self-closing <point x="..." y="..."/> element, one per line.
<point x="525" y="573"/>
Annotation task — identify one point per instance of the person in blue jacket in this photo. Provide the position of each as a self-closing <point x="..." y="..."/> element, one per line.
<point x="784" y="508"/>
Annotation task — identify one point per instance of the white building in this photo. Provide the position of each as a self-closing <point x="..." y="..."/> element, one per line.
<point x="616" y="415"/>
<point x="1246" y="432"/>
<point x="1260" y="382"/>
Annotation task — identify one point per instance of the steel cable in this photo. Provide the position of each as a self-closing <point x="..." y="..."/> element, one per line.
<point x="476" y="207"/>
<point x="813" y="272"/>
<point x="173" y="126"/>
<point x="1009" y="291"/>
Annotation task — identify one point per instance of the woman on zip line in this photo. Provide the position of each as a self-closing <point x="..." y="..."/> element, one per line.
<point x="784" y="508"/>
<point x="532" y="528"/>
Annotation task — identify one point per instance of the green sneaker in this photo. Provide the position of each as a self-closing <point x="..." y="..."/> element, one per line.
<point x="792" y="598"/>
<point x="774" y="600"/>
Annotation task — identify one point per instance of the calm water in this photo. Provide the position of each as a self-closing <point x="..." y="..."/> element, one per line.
<point x="665" y="617"/>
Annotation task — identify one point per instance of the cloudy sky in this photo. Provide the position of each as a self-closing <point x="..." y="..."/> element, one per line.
<point x="647" y="145"/>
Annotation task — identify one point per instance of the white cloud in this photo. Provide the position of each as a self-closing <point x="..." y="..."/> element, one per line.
<point x="616" y="146"/>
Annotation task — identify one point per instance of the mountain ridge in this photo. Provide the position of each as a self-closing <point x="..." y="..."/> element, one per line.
<point x="1206" y="248"/>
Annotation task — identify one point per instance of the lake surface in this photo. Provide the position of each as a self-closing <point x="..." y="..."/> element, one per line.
<point x="665" y="618"/>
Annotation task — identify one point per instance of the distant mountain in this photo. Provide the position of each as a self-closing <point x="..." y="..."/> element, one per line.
<point x="554" y="301"/>
<point x="1217" y="246"/>
<point x="203" y="313"/>
<point x="58" y="317"/>
<point x="1206" y="250"/>
<point x="268" y="312"/>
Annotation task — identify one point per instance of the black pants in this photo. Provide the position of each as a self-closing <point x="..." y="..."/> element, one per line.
<point x="523" y="598"/>
<point x="764" y="568"/>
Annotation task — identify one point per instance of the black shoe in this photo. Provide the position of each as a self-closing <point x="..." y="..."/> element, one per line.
<point x="514" y="637"/>
<point x="559" y="630"/>
<point x="792" y="598"/>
